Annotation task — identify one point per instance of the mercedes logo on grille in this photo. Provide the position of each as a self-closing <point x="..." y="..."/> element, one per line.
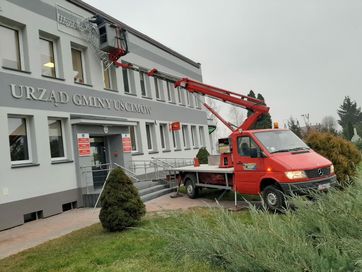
<point x="320" y="172"/>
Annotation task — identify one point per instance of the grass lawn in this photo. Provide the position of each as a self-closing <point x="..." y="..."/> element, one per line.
<point x="93" y="249"/>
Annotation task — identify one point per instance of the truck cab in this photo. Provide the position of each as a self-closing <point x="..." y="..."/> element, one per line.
<point x="275" y="163"/>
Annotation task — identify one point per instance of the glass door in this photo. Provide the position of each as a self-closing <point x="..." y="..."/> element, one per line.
<point x="99" y="160"/>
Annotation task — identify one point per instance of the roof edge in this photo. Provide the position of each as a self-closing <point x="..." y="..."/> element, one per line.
<point x="135" y="32"/>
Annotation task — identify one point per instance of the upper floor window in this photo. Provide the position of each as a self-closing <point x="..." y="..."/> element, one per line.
<point x="47" y="58"/>
<point x="56" y="138"/>
<point x="18" y="139"/>
<point x="202" y="136"/>
<point x="185" y="136"/>
<point x="77" y="58"/>
<point x="10" y="48"/>
<point x="157" y="89"/>
<point x="125" y="80"/>
<point x="143" y="84"/>
<point x="107" y="77"/>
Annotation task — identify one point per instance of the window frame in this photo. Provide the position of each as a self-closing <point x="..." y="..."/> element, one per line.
<point x="194" y="138"/>
<point x="20" y="47"/>
<point x="62" y="125"/>
<point x="108" y="71"/>
<point x="82" y="53"/>
<point x="186" y="137"/>
<point x="134" y="128"/>
<point x="251" y="140"/>
<point x="54" y="48"/>
<point x="28" y="140"/>
<point x="202" y="136"/>
<point x="151" y="141"/>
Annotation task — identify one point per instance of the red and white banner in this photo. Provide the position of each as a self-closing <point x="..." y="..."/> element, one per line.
<point x="126" y="143"/>
<point x="83" y="144"/>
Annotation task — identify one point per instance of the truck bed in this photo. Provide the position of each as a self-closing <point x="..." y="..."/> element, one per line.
<point x="205" y="168"/>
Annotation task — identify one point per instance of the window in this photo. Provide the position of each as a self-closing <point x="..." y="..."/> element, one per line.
<point x="185" y="136"/>
<point x="125" y="80"/>
<point x="10" y="48"/>
<point x="165" y="143"/>
<point x="18" y="139"/>
<point x="77" y="59"/>
<point x="194" y="136"/>
<point x="107" y="83"/>
<point x="202" y="136"/>
<point x="47" y="58"/>
<point x="169" y="91"/>
<point x="56" y="138"/>
<point x="150" y="136"/>
<point x="179" y="95"/>
<point x="133" y="135"/>
<point x="174" y="139"/>
<point x="157" y="89"/>
<point x="143" y="85"/>
<point x="247" y="147"/>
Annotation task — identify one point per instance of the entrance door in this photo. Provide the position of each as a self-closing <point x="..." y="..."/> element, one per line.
<point x="249" y="165"/>
<point x="99" y="160"/>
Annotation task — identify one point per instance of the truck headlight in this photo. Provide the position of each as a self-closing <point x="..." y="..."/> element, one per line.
<point x="332" y="169"/>
<point x="295" y="174"/>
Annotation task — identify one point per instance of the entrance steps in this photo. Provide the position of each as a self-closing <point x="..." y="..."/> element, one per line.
<point x="147" y="190"/>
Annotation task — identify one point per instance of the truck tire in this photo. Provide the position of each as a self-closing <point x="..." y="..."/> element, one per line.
<point x="274" y="198"/>
<point x="191" y="189"/>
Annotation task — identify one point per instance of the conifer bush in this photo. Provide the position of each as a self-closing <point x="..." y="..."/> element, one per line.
<point x="344" y="155"/>
<point x="203" y="155"/>
<point x="324" y="235"/>
<point x="121" y="204"/>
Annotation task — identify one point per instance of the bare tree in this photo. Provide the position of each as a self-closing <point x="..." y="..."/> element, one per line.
<point x="236" y="116"/>
<point x="329" y="123"/>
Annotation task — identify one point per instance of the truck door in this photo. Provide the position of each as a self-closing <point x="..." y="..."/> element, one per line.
<point x="248" y="165"/>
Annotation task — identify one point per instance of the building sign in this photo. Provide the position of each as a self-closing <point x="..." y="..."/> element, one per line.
<point x="83" y="144"/>
<point x="57" y="98"/>
<point x="175" y="126"/>
<point x="126" y="143"/>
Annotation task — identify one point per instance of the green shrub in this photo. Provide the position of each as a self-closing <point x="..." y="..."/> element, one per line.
<point x="325" y="235"/>
<point x="203" y="155"/>
<point x="343" y="154"/>
<point x="359" y="145"/>
<point x="121" y="203"/>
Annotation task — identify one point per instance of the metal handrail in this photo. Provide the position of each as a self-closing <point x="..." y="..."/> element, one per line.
<point x="130" y="173"/>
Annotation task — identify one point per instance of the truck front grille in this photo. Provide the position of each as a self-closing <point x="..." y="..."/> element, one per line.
<point x="318" y="172"/>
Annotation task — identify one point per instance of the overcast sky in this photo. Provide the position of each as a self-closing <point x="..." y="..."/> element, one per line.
<point x="303" y="56"/>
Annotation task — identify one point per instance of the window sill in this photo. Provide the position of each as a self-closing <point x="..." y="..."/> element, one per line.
<point x="195" y="147"/>
<point x="22" y="165"/>
<point x="171" y="102"/>
<point x="137" y="153"/>
<point x="133" y="94"/>
<point x="166" y="150"/>
<point x="16" y="70"/>
<point x="61" y="161"/>
<point x="153" y="152"/>
<point x="187" y="148"/>
<point x="110" y="90"/>
<point x="160" y="100"/>
<point x="147" y="97"/>
<point x="83" y="84"/>
<point x="178" y="149"/>
<point x="56" y="78"/>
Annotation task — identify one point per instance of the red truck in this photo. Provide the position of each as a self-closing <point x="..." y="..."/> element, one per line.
<point x="270" y="162"/>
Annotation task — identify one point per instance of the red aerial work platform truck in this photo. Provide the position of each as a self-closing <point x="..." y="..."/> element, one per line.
<point x="270" y="162"/>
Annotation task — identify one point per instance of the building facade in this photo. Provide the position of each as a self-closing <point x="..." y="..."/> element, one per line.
<point x="62" y="111"/>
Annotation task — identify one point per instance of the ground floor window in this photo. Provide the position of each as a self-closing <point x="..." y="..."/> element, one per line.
<point x="202" y="136"/>
<point x="133" y="135"/>
<point x="18" y="139"/>
<point x="149" y="134"/>
<point x="185" y="136"/>
<point x="56" y="138"/>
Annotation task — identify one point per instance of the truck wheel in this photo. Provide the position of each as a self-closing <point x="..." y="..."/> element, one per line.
<point x="273" y="198"/>
<point x="191" y="189"/>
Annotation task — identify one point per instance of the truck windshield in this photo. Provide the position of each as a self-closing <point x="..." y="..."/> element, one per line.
<point x="280" y="141"/>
